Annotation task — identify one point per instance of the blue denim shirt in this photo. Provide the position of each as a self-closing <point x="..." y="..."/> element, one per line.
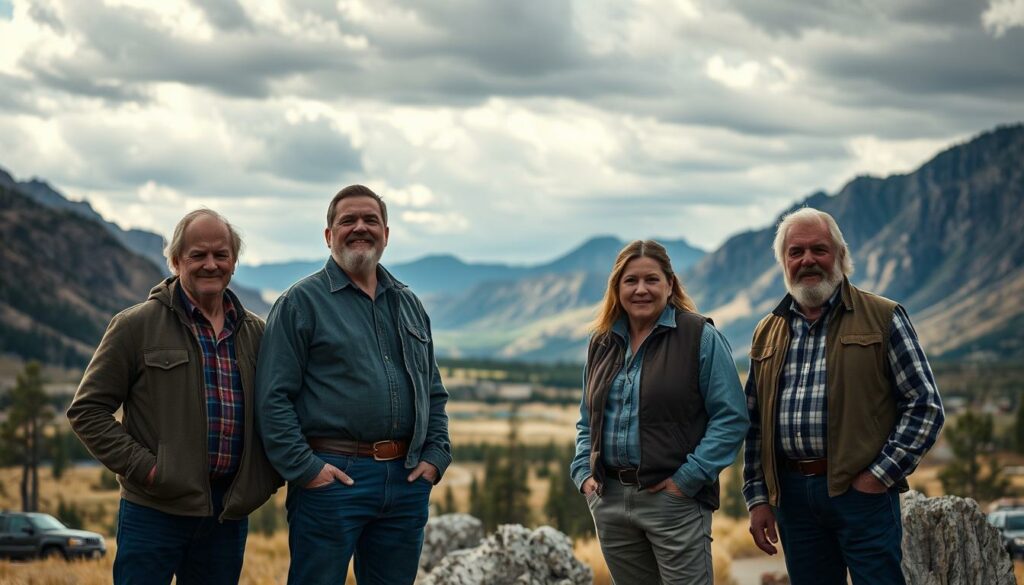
<point x="327" y="368"/>
<point x="723" y="398"/>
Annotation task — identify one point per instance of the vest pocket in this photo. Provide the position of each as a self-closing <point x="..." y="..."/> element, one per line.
<point x="761" y="352"/>
<point x="862" y="339"/>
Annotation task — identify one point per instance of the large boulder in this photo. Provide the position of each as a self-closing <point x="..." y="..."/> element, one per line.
<point x="448" y="533"/>
<point x="514" y="555"/>
<point x="947" y="541"/>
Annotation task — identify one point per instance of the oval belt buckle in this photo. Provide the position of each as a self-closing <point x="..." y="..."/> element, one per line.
<point x="391" y="449"/>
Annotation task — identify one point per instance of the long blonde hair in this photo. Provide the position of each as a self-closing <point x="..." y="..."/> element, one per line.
<point x="611" y="310"/>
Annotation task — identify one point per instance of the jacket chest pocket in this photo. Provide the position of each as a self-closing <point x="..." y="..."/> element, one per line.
<point x="166" y="370"/>
<point x="417" y="343"/>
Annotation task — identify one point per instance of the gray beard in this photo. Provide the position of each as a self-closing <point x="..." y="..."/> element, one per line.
<point x="815" y="295"/>
<point x="359" y="262"/>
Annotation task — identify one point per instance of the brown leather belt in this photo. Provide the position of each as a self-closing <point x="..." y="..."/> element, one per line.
<point x="808" y="467"/>
<point x="379" y="450"/>
<point x="625" y="476"/>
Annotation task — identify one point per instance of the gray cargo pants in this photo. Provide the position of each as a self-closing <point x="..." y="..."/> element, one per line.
<point x="652" y="538"/>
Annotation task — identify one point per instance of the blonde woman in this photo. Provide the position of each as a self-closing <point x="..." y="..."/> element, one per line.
<point x="662" y="414"/>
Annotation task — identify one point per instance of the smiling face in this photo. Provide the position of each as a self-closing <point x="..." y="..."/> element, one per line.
<point x="358" y="236"/>
<point x="811" y="269"/>
<point x="644" y="290"/>
<point x="206" y="262"/>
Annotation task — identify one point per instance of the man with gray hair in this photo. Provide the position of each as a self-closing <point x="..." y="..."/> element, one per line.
<point x="181" y="366"/>
<point x="842" y="406"/>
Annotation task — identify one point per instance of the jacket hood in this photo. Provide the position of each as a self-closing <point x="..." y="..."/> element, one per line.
<point x="166" y="292"/>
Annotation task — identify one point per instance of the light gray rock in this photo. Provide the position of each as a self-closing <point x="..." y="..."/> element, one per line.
<point x="446" y="534"/>
<point x="514" y="555"/>
<point x="947" y="541"/>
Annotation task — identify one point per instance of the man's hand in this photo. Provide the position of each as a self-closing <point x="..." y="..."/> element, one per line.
<point x="762" y="528"/>
<point x="669" y="486"/>
<point x="427" y="470"/>
<point x="867" y="483"/>
<point x="151" y="477"/>
<point x="589" y="486"/>
<point x="329" y="474"/>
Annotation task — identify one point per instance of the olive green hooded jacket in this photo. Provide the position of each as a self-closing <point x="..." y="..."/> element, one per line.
<point x="149" y="364"/>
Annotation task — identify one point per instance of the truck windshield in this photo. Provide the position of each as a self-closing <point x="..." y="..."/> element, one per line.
<point x="46" y="522"/>
<point x="1015" y="522"/>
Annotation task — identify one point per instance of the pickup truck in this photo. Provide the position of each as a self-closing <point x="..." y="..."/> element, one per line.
<point x="33" y="535"/>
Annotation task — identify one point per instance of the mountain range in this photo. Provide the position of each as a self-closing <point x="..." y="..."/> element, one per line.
<point x="946" y="240"/>
<point x="65" y="270"/>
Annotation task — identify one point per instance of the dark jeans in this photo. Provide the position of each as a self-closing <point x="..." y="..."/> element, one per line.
<point x="153" y="546"/>
<point x="824" y="536"/>
<point x="380" y="519"/>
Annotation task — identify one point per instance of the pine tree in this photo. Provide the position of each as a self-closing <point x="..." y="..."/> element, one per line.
<point x="971" y="440"/>
<point x="1019" y="426"/>
<point x="22" y="432"/>
<point x="476" y="500"/>
<point x="566" y="507"/>
<point x="449" y="501"/>
<point x="59" y="454"/>
<point x="733" y="503"/>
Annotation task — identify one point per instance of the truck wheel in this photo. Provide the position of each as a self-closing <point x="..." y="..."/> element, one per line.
<point x="53" y="552"/>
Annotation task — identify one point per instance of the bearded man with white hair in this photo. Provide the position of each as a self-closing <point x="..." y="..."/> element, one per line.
<point x="842" y="405"/>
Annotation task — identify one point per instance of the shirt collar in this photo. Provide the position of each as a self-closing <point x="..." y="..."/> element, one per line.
<point x="230" y="313"/>
<point x="337" y="279"/>
<point x="666" y="319"/>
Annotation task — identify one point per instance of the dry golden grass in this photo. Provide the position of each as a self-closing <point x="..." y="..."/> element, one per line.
<point x="57" y="572"/>
<point x="474" y="422"/>
<point x="732" y="536"/>
<point x="77" y="486"/>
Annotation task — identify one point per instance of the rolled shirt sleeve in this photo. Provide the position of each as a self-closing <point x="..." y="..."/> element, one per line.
<point x="918" y="406"/>
<point x="755" y="492"/>
<point x="579" y="469"/>
<point x="727" y="415"/>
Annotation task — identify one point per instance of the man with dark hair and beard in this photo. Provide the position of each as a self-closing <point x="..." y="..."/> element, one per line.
<point x="351" y="407"/>
<point x="842" y="407"/>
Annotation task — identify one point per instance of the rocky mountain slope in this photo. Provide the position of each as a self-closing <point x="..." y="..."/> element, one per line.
<point x="64" y="271"/>
<point x="946" y="241"/>
<point x="61" y="278"/>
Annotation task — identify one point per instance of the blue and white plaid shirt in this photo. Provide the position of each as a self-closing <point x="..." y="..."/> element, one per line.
<point x="802" y="407"/>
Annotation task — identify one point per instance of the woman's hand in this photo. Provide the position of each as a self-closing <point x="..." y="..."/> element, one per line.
<point x="669" y="486"/>
<point x="589" y="486"/>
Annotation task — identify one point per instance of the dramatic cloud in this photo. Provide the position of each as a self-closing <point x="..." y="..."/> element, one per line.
<point x="496" y="130"/>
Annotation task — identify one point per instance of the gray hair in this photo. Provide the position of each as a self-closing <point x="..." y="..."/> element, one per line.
<point x="176" y="246"/>
<point x="806" y="215"/>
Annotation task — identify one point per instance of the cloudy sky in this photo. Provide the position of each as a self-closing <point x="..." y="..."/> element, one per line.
<point x="495" y="130"/>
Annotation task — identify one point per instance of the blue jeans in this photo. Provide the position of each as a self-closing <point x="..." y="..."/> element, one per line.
<point x="153" y="546"/>
<point x="380" y="519"/>
<point x="824" y="536"/>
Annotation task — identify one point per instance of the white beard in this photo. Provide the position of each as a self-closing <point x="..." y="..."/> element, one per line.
<point x="815" y="295"/>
